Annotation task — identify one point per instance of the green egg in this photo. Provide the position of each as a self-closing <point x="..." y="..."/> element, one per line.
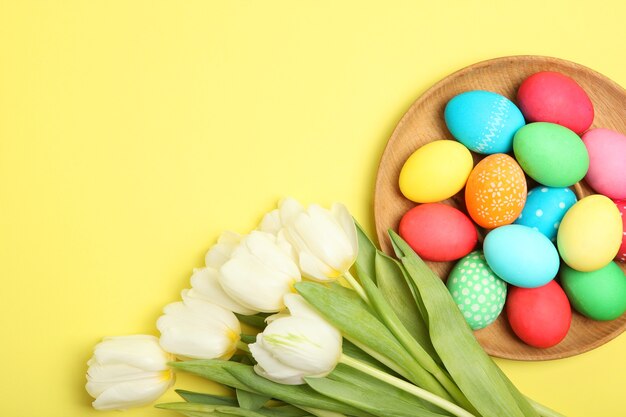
<point x="599" y="294"/>
<point x="476" y="290"/>
<point x="551" y="154"/>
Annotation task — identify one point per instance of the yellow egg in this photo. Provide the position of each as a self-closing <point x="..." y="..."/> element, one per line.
<point x="436" y="171"/>
<point x="590" y="234"/>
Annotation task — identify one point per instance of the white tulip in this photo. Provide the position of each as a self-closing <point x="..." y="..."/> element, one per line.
<point x="325" y="241"/>
<point x="128" y="371"/>
<point x="206" y="286"/>
<point x="221" y="251"/>
<point x="198" y="329"/>
<point x="260" y="272"/>
<point x="296" y="346"/>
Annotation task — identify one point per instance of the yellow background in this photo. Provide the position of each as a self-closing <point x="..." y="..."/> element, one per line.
<point x="133" y="132"/>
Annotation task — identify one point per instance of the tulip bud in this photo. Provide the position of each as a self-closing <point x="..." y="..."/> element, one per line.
<point x="206" y="286"/>
<point x="297" y="345"/>
<point x="325" y="241"/>
<point x="128" y="371"/>
<point x="220" y="252"/>
<point x="260" y="272"/>
<point x="198" y="329"/>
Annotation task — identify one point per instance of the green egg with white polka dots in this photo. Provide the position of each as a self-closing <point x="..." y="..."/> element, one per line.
<point x="476" y="290"/>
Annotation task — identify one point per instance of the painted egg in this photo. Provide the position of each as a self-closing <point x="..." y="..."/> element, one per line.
<point x="521" y="256"/>
<point x="621" y="252"/>
<point x="483" y="121"/>
<point x="477" y="291"/>
<point x="551" y="154"/>
<point x="599" y="294"/>
<point x="590" y="233"/>
<point x="607" y="162"/>
<point x="545" y="208"/>
<point x="556" y="98"/>
<point x="436" y="171"/>
<point x="496" y="191"/>
<point x="541" y="316"/>
<point x="438" y="232"/>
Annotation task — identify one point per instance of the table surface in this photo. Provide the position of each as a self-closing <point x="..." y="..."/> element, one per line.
<point x="132" y="133"/>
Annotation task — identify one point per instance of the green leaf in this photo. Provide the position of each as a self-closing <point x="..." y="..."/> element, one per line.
<point x="257" y="321"/>
<point x="214" y="370"/>
<point x="250" y="400"/>
<point x="284" y="411"/>
<point x="298" y="395"/>
<point x="248" y="338"/>
<point x="367" y="400"/>
<point x="435" y="377"/>
<point x="355" y="320"/>
<point x="193" y="409"/>
<point x="350" y="349"/>
<point x="392" y="284"/>
<point x="198" y="398"/>
<point x="367" y="251"/>
<point x="345" y="373"/>
<point x="472" y="369"/>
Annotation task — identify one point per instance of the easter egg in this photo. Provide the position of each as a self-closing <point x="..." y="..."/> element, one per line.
<point x="521" y="256"/>
<point x="551" y="154"/>
<point x="436" y="171"/>
<point x="621" y="252"/>
<point x="476" y="290"/>
<point x="590" y="233"/>
<point x="438" y="232"/>
<point x="545" y="208"/>
<point x="483" y="121"/>
<point x="496" y="191"/>
<point x="541" y="316"/>
<point x="599" y="294"/>
<point x="556" y="98"/>
<point x="607" y="162"/>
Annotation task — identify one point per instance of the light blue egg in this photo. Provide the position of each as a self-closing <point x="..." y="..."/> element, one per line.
<point x="483" y="121"/>
<point x="545" y="208"/>
<point x="521" y="256"/>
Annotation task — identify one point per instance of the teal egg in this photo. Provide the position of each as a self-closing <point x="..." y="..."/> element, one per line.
<point x="545" y="208"/>
<point x="551" y="154"/>
<point x="483" y="121"/>
<point x="476" y="290"/>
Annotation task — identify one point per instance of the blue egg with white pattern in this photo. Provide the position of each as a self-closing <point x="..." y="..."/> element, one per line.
<point x="545" y="208"/>
<point x="483" y="121"/>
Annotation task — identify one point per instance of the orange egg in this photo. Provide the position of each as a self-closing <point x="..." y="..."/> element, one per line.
<point x="496" y="191"/>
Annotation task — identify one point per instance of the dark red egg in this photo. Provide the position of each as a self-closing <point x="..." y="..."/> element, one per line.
<point x="438" y="232"/>
<point x="540" y="316"/>
<point x="556" y="98"/>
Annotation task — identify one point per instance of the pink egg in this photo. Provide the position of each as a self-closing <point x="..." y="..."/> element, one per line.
<point x="621" y="254"/>
<point x="607" y="162"/>
<point x="556" y="98"/>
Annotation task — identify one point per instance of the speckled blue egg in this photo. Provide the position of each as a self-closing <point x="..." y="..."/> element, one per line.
<point x="545" y="208"/>
<point x="483" y="121"/>
<point x="521" y="255"/>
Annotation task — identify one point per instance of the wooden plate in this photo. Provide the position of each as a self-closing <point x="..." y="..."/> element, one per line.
<point x="424" y="123"/>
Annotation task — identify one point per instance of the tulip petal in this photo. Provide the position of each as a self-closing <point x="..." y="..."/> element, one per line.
<point x="205" y="283"/>
<point x="271" y="222"/>
<point x="289" y="209"/>
<point x="271" y="368"/>
<point x="198" y="329"/>
<point x="298" y="307"/>
<point x="315" y="269"/>
<point x="254" y="285"/>
<point x="221" y="251"/>
<point x="343" y="217"/>
<point x="263" y="246"/>
<point x="131" y="394"/>
<point x="142" y="351"/>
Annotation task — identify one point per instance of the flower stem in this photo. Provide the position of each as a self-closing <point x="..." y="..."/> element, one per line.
<point x="321" y="413"/>
<point x="356" y="286"/>
<point x="543" y="410"/>
<point x="405" y="386"/>
<point x="243" y="346"/>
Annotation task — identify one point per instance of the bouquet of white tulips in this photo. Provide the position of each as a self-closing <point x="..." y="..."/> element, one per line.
<point x="391" y="343"/>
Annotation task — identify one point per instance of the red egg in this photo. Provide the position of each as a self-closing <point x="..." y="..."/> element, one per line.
<point x="539" y="316"/>
<point x="621" y="253"/>
<point x="438" y="232"/>
<point x="556" y="98"/>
